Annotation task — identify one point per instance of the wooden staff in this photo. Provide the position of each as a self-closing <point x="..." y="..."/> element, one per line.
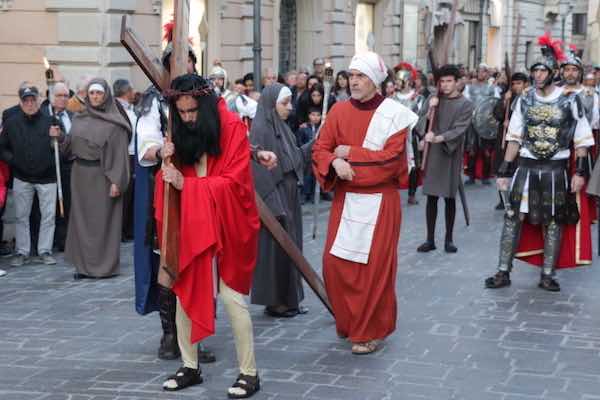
<point x="445" y="49"/>
<point x="50" y="84"/>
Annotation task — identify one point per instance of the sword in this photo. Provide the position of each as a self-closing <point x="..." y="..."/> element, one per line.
<point x="504" y="194"/>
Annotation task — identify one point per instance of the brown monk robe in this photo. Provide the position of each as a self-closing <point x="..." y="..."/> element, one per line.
<point x="98" y="143"/>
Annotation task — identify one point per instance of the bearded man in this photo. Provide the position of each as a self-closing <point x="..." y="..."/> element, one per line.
<point x="219" y="228"/>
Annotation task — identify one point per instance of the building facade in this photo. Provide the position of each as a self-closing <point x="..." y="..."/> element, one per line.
<point x="82" y="36"/>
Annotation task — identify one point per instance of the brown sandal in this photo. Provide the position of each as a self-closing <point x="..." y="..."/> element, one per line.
<point x="369" y="347"/>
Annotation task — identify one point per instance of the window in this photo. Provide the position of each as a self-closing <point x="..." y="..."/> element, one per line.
<point x="579" y="24"/>
<point x="363" y="27"/>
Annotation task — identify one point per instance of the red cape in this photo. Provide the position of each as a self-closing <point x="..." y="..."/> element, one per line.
<point x="576" y="240"/>
<point x="219" y="222"/>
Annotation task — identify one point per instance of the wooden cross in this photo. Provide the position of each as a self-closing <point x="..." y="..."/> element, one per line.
<point x="152" y="67"/>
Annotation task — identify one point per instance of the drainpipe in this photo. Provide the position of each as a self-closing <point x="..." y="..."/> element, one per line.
<point x="256" y="48"/>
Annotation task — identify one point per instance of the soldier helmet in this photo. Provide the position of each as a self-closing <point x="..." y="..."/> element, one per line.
<point x="405" y="72"/>
<point x="572" y="59"/>
<point x="550" y="58"/>
<point x="166" y="55"/>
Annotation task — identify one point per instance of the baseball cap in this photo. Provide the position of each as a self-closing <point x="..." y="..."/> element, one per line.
<point x="28" y="91"/>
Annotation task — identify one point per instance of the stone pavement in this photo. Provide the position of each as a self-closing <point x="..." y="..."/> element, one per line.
<point x="61" y="339"/>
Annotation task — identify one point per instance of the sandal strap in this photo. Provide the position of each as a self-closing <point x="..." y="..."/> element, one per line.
<point x="184" y="376"/>
<point x="246" y="382"/>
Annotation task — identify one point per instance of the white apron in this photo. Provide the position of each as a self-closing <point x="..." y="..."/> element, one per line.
<point x="359" y="215"/>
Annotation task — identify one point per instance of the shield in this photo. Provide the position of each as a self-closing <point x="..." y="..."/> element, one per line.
<point x="485" y="123"/>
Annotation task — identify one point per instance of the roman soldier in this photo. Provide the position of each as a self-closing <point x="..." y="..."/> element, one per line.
<point x="481" y="135"/>
<point x="546" y="223"/>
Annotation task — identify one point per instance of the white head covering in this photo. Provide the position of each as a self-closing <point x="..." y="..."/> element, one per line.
<point x="371" y="65"/>
<point x="283" y="93"/>
<point x="97" y="87"/>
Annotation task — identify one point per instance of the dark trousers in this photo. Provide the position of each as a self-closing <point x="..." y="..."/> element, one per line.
<point x="431" y="216"/>
<point x="127" y="230"/>
<point x="62" y="223"/>
<point x="413" y="180"/>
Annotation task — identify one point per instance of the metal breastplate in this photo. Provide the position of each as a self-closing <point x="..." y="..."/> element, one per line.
<point x="548" y="127"/>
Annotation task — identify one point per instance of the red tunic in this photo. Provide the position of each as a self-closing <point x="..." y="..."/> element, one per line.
<point x="362" y="295"/>
<point x="219" y="220"/>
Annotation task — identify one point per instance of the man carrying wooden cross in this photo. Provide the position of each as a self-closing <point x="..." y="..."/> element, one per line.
<point x="218" y="227"/>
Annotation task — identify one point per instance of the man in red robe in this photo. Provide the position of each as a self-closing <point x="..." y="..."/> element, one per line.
<point x="362" y="153"/>
<point x="218" y="228"/>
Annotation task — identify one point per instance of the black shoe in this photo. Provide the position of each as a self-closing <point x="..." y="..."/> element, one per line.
<point x="449" y="247"/>
<point x="500" y="280"/>
<point x="426" y="247"/>
<point x="549" y="284"/>
<point x="499" y="207"/>
<point x="167" y="304"/>
<point x="205" y="356"/>
<point x="272" y="312"/>
<point x="169" y="347"/>
<point x="470" y="181"/>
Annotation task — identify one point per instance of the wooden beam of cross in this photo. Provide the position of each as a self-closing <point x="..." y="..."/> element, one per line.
<point x="153" y="69"/>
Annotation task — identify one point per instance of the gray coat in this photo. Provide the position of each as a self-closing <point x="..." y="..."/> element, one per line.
<point x="445" y="160"/>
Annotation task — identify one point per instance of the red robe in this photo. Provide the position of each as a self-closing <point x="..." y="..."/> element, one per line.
<point x="219" y="220"/>
<point x="362" y="295"/>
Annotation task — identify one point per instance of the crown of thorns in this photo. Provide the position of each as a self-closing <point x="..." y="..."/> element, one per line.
<point x="173" y="93"/>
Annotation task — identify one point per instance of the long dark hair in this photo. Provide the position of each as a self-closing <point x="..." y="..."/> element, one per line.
<point x="194" y="140"/>
<point x="336" y="85"/>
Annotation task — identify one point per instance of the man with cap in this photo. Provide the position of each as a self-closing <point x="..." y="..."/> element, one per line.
<point x="362" y="153"/>
<point x="480" y="144"/>
<point x="541" y="224"/>
<point x="25" y="146"/>
<point x="518" y="83"/>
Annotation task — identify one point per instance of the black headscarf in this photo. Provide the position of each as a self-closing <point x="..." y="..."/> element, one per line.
<point x="270" y="132"/>
<point x="193" y="140"/>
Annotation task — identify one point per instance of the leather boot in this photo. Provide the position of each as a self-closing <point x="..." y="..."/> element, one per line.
<point x="169" y="348"/>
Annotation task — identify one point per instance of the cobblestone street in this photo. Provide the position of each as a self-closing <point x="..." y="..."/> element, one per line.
<point x="61" y="339"/>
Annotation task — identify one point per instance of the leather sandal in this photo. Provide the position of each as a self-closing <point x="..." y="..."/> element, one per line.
<point x="244" y="386"/>
<point x="184" y="377"/>
<point x="369" y="347"/>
